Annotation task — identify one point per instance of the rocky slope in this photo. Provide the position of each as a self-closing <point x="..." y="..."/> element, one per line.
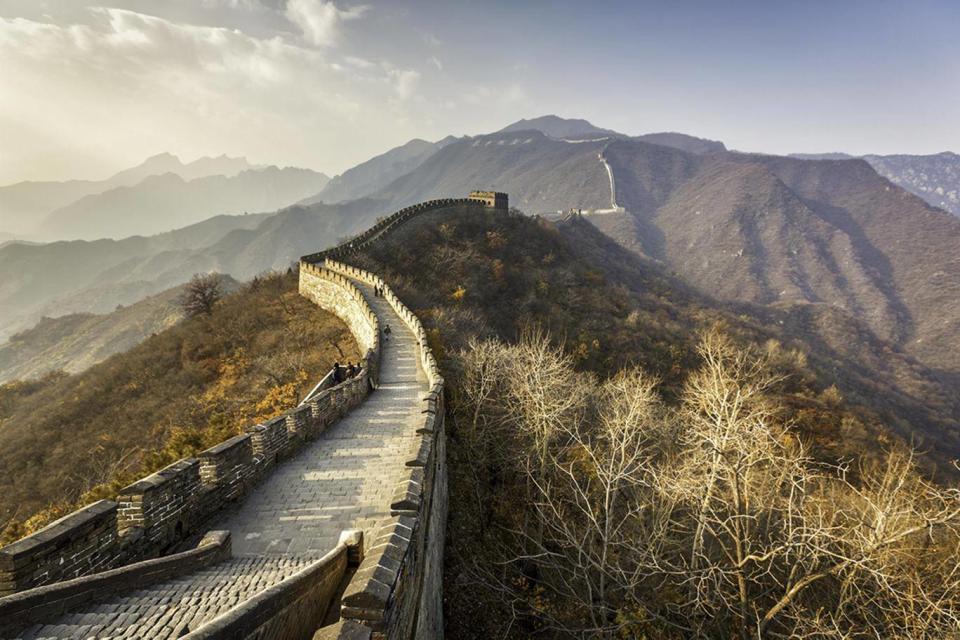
<point x="377" y="172"/>
<point x="76" y="341"/>
<point x="935" y="177"/>
<point x="769" y="229"/>
<point x="540" y="173"/>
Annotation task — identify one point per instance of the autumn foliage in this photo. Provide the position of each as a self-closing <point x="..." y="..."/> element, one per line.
<point x="68" y="439"/>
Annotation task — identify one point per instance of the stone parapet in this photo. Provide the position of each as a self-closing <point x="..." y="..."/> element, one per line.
<point x="44" y="603"/>
<point x="155" y="514"/>
<point x="363" y="240"/>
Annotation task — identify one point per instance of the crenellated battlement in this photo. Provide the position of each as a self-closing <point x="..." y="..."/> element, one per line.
<point x="356" y="244"/>
<point x="396" y="591"/>
<point x="154" y="514"/>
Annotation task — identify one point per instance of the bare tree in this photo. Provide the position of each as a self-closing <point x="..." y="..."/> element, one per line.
<point x="201" y="294"/>
<point x="707" y="519"/>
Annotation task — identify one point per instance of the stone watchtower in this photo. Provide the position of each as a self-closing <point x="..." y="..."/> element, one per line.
<point x="495" y="199"/>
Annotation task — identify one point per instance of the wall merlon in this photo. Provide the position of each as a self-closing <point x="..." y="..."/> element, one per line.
<point x="158" y="480"/>
<point x="227" y="465"/>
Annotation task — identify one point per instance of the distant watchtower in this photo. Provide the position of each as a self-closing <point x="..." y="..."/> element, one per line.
<point x="495" y="199"/>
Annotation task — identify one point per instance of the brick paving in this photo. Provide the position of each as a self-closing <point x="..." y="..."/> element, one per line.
<point x="344" y="480"/>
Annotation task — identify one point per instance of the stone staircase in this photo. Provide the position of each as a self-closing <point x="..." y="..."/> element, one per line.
<point x="174" y="608"/>
<point x="344" y="480"/>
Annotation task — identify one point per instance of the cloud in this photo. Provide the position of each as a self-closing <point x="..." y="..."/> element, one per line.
<point x="404" y="82"/>
<point x="246" y="5"/>
<point x="91" y="97"/>
<point x="361" y="63"/>
<point x="435" y="62"/>
<point x="320" y="20"/>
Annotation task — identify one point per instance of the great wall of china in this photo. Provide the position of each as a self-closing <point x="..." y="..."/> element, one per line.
<point x="325" y="522"/>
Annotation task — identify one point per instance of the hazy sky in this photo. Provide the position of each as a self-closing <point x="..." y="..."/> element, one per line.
<point x="87" y="88"/>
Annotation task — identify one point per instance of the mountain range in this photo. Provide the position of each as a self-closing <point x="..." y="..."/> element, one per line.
<point x="167" y="201"/>
<point x="577" y="129"/>
<point x="780" y="232"/>
<point x="159" y="194"/>
<point x="377" y="172"/>
<point x="96" y="276"/>
<point x="743" y="227"/>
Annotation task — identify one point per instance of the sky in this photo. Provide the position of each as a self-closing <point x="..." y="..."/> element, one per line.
<point x="89" y="88"/>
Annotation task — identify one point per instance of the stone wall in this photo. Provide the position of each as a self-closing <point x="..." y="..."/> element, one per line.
<point x="385" y="225"/>
<point x="335" y="293"/>
<point x="83" y="542"/>
<point x="44" y="603"/>
<point x="397" y="591"/>
<point x="153" y="515"/>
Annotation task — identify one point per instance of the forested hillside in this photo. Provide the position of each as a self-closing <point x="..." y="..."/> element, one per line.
<point x="68" y="439"/>
<point x="480" y="280"/>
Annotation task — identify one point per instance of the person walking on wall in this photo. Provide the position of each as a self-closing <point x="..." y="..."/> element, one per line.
<point x="337" y="373"/>
<point x="386" y="333"/>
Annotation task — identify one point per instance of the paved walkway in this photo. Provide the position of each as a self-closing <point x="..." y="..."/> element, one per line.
<point x="344" y="480"/>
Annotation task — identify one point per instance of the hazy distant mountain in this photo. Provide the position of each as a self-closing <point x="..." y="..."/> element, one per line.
<point x="78" y="276"/>
<point x="576" y="129"/>
<point x="76" y="341"/>
<point x="94" y="277"/>
<point x="935" y="178"/>
<point x="377" y="172"/>
<point x="163" y="202"/>
<point x="24" y="205"/>
<point x="169" y="163"/>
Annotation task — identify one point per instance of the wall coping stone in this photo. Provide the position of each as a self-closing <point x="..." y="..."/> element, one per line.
<point x="226" y="445"/>
<point x="159" y="478"/>
<point x="56" y="531"/>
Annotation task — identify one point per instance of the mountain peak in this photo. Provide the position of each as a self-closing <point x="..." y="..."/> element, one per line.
<point x="557" y="127"/>
<point x="163" y="155"/>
